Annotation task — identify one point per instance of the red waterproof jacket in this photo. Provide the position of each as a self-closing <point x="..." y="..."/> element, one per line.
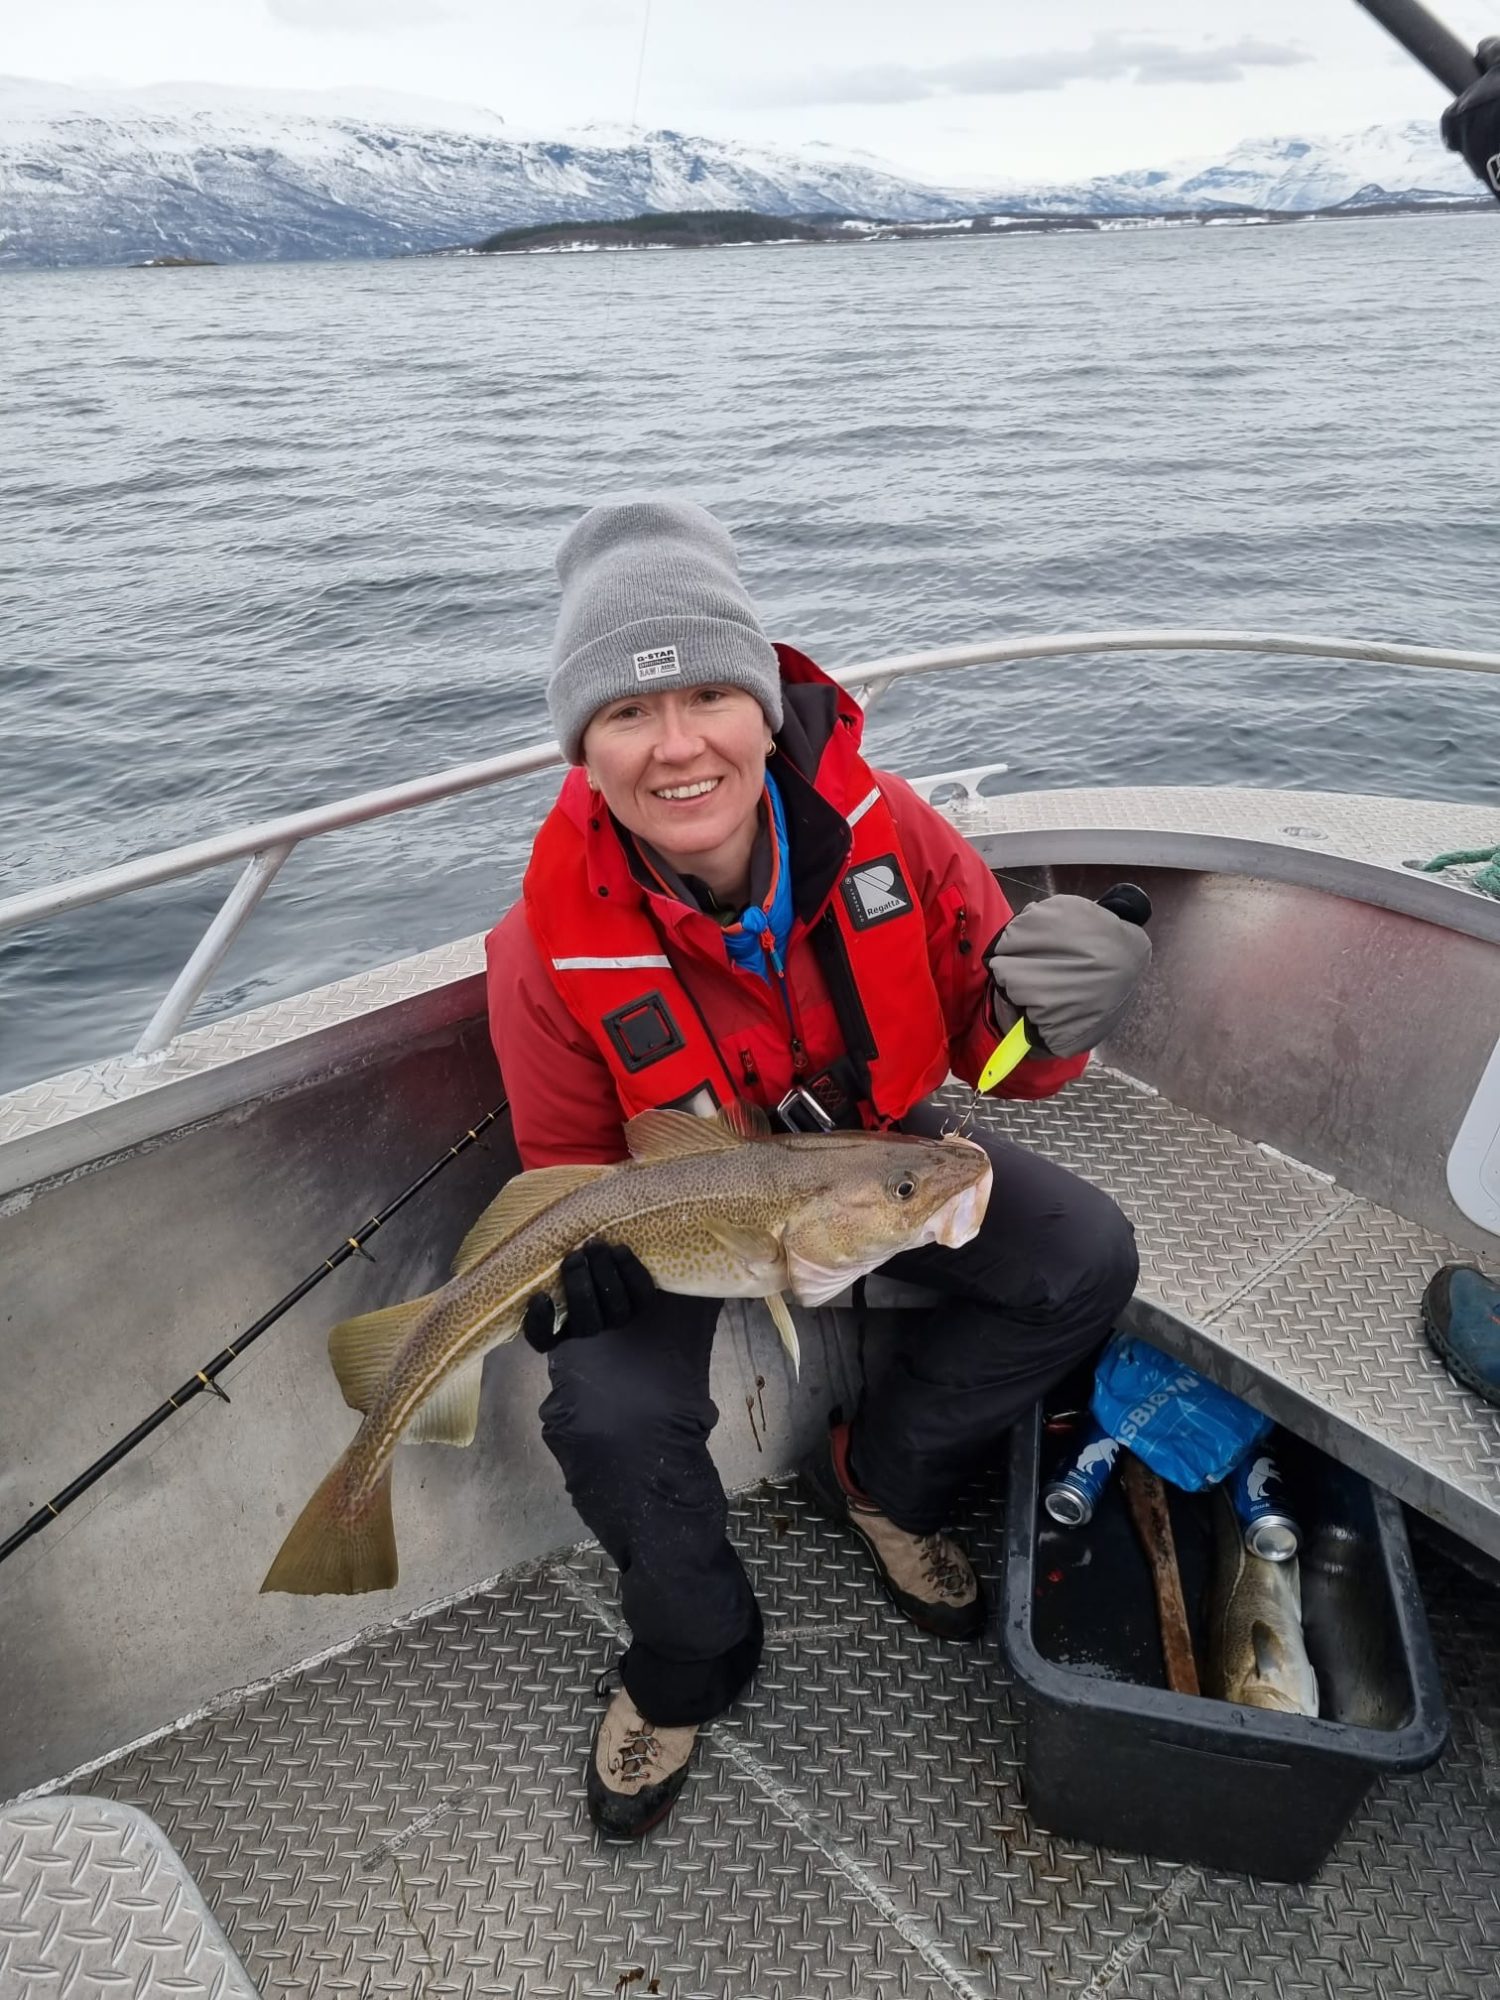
<point x="919" y="968"/>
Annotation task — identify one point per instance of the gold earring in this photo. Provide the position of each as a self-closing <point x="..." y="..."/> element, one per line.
<point x="771" y="748"/>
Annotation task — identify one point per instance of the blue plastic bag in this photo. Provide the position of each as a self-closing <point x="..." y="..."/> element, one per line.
<point x="1186" y="1428"/>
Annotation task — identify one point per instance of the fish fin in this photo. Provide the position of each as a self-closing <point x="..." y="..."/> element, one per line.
<point x="1272" y="1655"/>
<point x="517" y="1202"/>
<point x="786" y="1326"/>
<point x="1284" y="1677"/>
<point x="451" y="1413"/>
<point x="745" y="1121"/>
<point x="678" y="1135"/>
<point x="330" y="1553"/>
<point x="814" y="1284"/>
<point x="757" y="1249"/>
<point x="363" y="1349"/>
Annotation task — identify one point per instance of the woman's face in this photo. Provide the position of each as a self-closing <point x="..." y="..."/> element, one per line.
<point x="682" y="769"/>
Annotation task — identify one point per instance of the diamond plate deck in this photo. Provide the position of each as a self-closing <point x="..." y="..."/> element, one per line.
<point x="94" y="1903"/>
<point x="408" y="1820"/>
<point x="1291" y="1291"/>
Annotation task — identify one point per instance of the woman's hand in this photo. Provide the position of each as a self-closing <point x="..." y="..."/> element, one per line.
<point x="604" y="1286"/>
<point x="1071" y="967"/>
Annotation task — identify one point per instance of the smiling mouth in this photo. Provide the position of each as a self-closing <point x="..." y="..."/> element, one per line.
<point x="700" y="790"/>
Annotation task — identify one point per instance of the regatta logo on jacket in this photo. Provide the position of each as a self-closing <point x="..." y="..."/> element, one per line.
<point x="875" y="893"/>
<point x="656" y="663"/>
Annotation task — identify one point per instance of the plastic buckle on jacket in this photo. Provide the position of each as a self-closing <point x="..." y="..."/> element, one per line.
<point x="800" y="1111"/>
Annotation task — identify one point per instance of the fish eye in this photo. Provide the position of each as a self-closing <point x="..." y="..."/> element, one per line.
<point x="904" y="1188"/>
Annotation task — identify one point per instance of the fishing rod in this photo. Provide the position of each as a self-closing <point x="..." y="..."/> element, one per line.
<point x="205" y="1379"/>
<point x="1423" y="36"/>
<point x="1471" y="123"/>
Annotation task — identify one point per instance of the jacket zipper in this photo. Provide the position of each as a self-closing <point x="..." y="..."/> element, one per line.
<point x="773" y="958"/>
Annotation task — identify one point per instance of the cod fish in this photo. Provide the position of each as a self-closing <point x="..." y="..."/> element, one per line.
<point x="1257" y="1654"/>
<point x="713" y="1207"/>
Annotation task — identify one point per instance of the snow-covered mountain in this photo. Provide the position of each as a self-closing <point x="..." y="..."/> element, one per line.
<point x="1401" y="162"/>
<point x="89" y="177"/>
<point x="93" y="177"/>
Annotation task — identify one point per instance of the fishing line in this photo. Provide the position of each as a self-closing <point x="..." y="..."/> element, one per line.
<point x="623" y="249"/>
<point x="205" y="1379"/>
<point x="640" y="64"/>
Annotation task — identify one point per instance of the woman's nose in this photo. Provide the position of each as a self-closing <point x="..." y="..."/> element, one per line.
<point x="678" y="739"/>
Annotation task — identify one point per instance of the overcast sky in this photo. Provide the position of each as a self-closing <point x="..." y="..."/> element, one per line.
<point x="966" y="91"/>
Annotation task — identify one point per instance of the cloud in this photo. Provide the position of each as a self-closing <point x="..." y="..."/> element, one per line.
<point x="1108" y="59"/>
<point x="356" y="16"/>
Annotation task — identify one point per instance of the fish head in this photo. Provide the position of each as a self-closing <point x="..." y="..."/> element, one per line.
<point x="873" y="1196"/>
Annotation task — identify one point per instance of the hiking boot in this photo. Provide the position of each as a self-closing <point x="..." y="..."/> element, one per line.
<point x="927" y="1576"/>
<point x="636" y="1770"/>
<point x="1461" y="1316"/>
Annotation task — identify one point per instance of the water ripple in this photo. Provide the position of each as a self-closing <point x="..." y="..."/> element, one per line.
<point x="287" y="532"/>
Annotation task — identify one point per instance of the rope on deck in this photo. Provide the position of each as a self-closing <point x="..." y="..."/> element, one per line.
<point x="1485" y="861"/>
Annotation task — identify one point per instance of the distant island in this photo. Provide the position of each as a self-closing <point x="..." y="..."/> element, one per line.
<point x="720" y="229"/>
<point x="689" y="229"/>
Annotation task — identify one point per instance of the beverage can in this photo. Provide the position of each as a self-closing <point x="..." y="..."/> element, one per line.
<point x="1266" y="1521"/>
<point x="1074" y="1492"/>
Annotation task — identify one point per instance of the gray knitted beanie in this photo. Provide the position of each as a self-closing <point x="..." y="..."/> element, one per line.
<point x="652" y="599"/>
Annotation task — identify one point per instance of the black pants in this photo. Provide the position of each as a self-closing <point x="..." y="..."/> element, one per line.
<point x="629" y="1416"/>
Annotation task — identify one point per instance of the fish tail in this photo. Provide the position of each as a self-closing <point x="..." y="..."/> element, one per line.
<point x="339" y="1545"/>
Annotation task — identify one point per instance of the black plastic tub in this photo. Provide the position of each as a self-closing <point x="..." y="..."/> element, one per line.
<point x="1121" y="1763"/>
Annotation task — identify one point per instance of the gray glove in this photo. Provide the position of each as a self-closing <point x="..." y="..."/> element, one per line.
<point x="1071" y="967"/>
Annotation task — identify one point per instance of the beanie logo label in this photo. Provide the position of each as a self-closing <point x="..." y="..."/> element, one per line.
<point x="656" y="663"/>
<point x="875" y="893"/>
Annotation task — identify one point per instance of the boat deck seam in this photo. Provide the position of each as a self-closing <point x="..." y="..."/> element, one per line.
<point x="1294" y="1247"/>
<point x="412" y="1812"/>
<point x="785" y="1800"/>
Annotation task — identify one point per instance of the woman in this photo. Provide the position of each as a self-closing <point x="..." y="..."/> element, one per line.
<point x="725" y="902"/>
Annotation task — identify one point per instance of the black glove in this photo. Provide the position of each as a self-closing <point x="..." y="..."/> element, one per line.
<point x="1471" y="125"/>
<point x="604" y="1286"/>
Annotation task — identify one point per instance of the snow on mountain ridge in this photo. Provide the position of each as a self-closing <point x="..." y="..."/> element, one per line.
<point x="23" y="98"/>
<point x="115" y="177"/>
<point x="219" y="172"/>
<point x="1283" y="171"/>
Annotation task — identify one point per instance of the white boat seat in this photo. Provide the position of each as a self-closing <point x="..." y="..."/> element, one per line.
<point x="96" y="1903"/>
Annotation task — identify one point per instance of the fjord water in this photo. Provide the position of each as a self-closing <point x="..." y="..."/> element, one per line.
<point x="275" y="534"/>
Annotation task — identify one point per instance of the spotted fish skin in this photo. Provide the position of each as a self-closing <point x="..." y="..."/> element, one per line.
<point x="1257" y="1653"/>
<point x="709" y="1211"/>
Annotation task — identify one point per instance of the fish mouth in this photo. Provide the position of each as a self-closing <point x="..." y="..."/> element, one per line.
<point x="958" y="1221"/>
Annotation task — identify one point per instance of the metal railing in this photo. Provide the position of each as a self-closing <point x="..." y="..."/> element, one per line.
<point x="266" y="846"/>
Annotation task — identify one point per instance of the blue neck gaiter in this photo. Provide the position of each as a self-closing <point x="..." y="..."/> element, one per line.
<point x="746" y="942"/>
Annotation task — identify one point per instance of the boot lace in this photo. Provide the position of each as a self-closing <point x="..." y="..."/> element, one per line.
<point x="943" y="1567"/>
<point x="638" y="1752"/>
